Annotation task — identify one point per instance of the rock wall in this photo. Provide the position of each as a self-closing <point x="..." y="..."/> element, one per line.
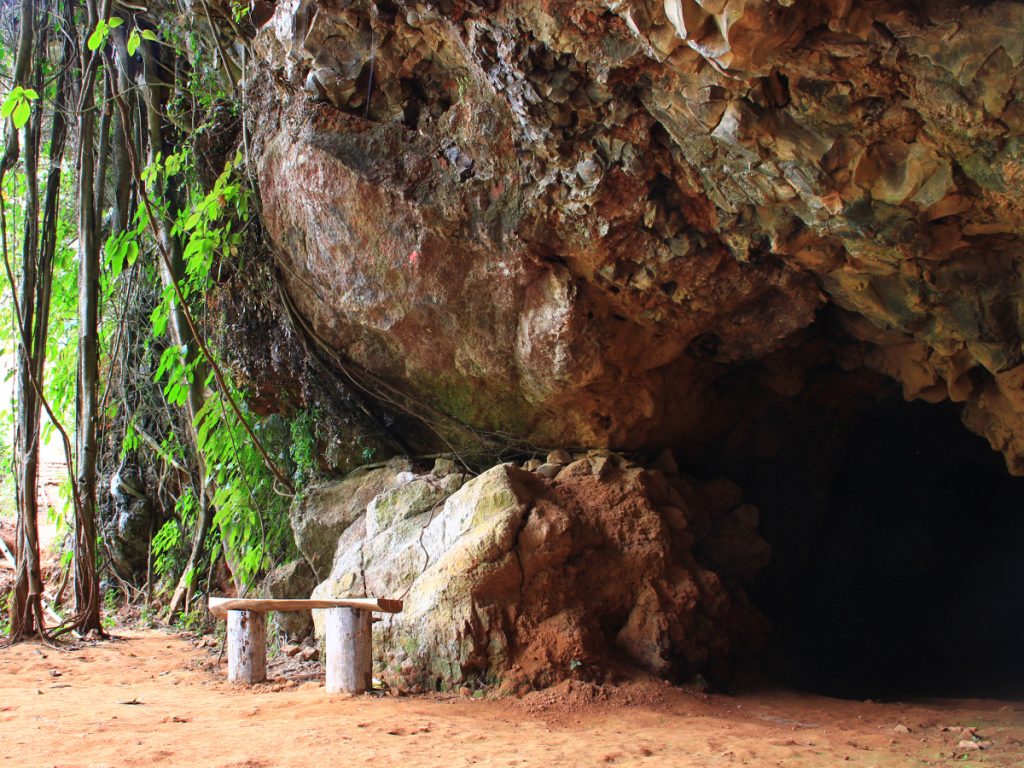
<point x="566" y="220"/>
<point x="529" y="578"/>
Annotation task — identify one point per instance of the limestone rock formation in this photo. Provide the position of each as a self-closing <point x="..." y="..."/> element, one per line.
<point x="514" y="577"/>
<point x="565" y="220"/>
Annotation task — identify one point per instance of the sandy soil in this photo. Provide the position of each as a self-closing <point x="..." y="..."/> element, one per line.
<point x="154" y="699"/>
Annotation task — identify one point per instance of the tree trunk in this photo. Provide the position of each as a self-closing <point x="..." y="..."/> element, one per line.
<point x="87" y="597"/>
<point x="27" y="614"/>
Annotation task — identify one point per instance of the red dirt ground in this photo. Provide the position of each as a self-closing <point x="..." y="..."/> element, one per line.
<point x="152" y="699"/>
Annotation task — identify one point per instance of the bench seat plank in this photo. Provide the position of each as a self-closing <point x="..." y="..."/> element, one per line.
<point x="219" y="606"/>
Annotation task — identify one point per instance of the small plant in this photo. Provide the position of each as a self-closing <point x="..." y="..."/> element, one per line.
<point x="192" y="621"/>
<point x="110" y="606"/>
<point x="462" y="83"/>
<point x="136" y="37"/>
<point x="304" y="446"/>
<point x="239" y="10"/>
<point x="18" y="106"/>
<point x="575" y="664"/>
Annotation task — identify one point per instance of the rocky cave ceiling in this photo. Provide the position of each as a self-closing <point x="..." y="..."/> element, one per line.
<point x="572" y="221"/>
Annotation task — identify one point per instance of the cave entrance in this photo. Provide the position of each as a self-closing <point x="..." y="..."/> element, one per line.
<point x="911" y="580"/>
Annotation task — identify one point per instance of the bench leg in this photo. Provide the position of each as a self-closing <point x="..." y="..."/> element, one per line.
<point x="349" y="650"/>
<point x="247" y="647"/>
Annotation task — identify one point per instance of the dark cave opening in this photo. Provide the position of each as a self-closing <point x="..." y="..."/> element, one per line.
<point x="907" y="582"/>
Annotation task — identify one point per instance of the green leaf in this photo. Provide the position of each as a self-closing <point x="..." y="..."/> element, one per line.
<point x="115" y="22"/>
<point x="149" y="34"/>
<point x="115" y="259"/>
<point x="134" y="41"/>
<point x="133" y="252"/>
<point x="22" y="113"/>
<point x="9" y="104"/>
<point x="29" y="94"/>
<point x="98" y="37"/>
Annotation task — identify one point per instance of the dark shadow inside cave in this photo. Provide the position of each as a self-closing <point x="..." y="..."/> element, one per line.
<point x="909" y="581"/>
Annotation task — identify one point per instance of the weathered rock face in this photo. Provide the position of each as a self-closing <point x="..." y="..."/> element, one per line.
<point x="128" y="520"/>
<point x="294" y="580"/>
<point x="566" y="219"/>
<point x="515" y="577"/>
<point x="324" y="512"/>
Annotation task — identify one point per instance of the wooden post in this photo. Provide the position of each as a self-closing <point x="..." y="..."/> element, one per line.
<point x="349" y="650"/>
<point x="247" y="647"/>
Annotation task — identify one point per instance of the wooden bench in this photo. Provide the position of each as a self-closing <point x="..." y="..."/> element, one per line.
<point x="349" y="659"/>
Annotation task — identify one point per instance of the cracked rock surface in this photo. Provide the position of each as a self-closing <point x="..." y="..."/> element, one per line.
<point x="565" y="220"/>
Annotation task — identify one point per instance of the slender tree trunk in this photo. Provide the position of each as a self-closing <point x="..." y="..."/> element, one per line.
<point x="102" y="156"/>
<point x="48" y="233"/>
<point x="87" y="598"/>
<point x="27" y="614"/>
<point x="120" y="164"/>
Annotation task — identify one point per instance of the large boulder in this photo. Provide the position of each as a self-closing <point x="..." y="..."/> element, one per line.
<point x="528" y="580"/>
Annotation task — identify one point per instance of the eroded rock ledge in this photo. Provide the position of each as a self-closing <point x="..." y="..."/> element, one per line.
<point x="564" y="220"/>
<point x="528" y="578"/>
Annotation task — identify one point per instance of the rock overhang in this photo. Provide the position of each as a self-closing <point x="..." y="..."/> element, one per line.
<point x="566" y="221"/>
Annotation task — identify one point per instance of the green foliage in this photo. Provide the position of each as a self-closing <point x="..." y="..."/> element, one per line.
<point x="168" y="557"/>
<point x="136" y="37"/>
<point x="7" y="500"/>
<point x="99" y="36"/>
<point x="110" y="608"/>
<point x="195" y="620"/>
<point x="304" y="446"/>
<point x="239" y="10"/>
<point x="18" y="106"/>
<point x="250" y="515"/>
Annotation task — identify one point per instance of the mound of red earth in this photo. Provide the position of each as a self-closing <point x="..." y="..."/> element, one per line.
<point x="628" y="563"/>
